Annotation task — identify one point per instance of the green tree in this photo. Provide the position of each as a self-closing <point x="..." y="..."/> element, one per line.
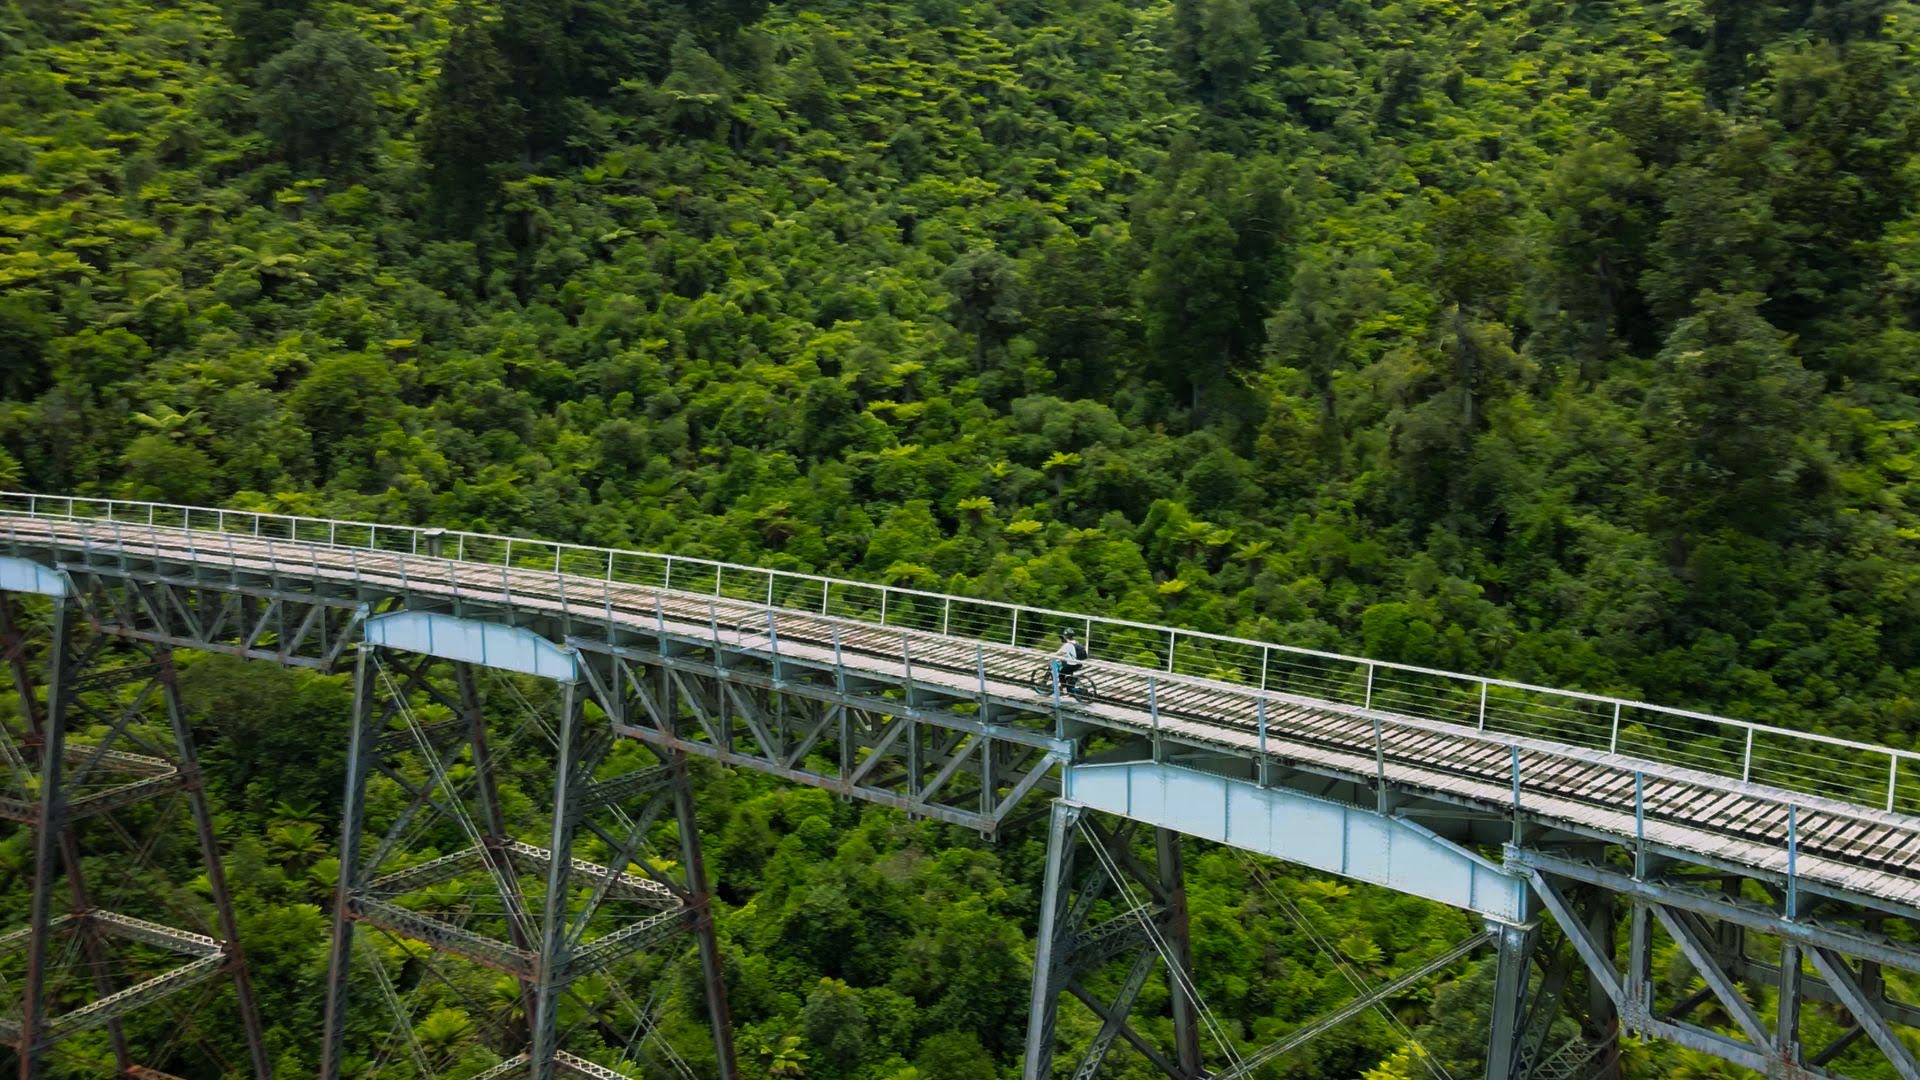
<point x="698" y="94"/>
<point x="316" y="99"/>
<point x="1214" y="233"/>
<point x="954" y="1055"/>
<point x="472" y="125"/>
<point x="262" y="28"/>
<point x="984" y="299"/>
<point x="836" y="1026"/>
<point x="1734" y="418"/>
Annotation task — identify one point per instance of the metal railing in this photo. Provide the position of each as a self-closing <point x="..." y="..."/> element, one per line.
<point x="1796" y="761"/>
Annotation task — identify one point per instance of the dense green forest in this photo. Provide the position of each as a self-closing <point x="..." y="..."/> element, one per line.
<point x="1575" y="342"/>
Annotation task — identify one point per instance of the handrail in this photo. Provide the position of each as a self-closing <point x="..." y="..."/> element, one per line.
<point x="1803" y="761"/>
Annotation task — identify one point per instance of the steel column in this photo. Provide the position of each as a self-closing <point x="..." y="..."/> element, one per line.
<point x="353" y="820"/>
<point x="550" y="967"/>
<point x="189" y="764"/>
<point x="1186" y="1028"/>
<point x="494" y="838"/>
<point x="700" y="902"/>
<point x="1038" y="1062"/>
<point x="1512" y="967"/>
<point x="46" y="849"/>
<point x="13" y="645"/>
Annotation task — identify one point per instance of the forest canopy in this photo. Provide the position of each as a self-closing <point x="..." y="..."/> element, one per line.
<point x="1570" y="342"/>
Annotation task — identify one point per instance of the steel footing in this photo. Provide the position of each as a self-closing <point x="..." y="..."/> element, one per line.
<point x="429" y="855"/>
<point x="91" y="746"/>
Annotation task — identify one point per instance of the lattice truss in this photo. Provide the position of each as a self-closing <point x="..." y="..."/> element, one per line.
<point x="311" y="627"/>
<point x="800" y="715"/>
<point x="1784" y="983"/>
<point x="468" y="781"/>
<point x="98" y="774"/>
<point x="1114" y="924"/>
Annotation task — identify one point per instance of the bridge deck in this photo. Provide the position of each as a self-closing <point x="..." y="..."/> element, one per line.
<point x="1840" y="845"/>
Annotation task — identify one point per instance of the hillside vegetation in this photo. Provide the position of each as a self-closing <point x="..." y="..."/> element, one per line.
<point x="1574" y="342"/>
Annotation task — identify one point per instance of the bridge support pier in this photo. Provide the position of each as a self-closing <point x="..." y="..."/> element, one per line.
<point x="1087" y="863"/>
<point x="1513" y="968"/>
<point x="85" y="751"/>
<point x="536" y="913"/>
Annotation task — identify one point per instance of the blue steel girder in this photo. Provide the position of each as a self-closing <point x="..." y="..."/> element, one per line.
<point x="473" y="641"/>
<point x="25" y="575"/>
<point x="1338" y="838"/>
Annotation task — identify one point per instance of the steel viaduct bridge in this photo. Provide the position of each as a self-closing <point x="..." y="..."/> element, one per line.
<point x="1584" y="832"/>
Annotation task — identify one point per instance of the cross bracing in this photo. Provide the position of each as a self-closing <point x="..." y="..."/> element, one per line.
<point x="103" y="732"/>
<point x="928" y="703"/>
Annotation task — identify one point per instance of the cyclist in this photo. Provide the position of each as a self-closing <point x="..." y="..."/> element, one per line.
<point x="1067" y="660"/>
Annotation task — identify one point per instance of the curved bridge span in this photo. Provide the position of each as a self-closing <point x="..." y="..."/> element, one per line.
<point x="1587" y="831"/>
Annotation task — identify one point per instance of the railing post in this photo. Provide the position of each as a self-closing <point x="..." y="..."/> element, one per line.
<point x="1013" y="638"/>
<point x="1746" y="761"/>
<point x="1893" y="779"/>
<point x="1793" y="861"/>
<point x="946" y="617"/>
<point x="1266" y="654"/>
<point x="1481" y="725"/>
<point x="1379" y="763"/>
<point x="1639" y="824"/>
<point x="1368" y="704"/>
<point x="1260" y="715"/>
<point x="1172" y="642"/>
<point x="668" y="583"/>
<point x="1613" y="738"/>
<point x="1153" y="710"/>
<point x="883" y="604"/>
<point x="906" y="659"/>
<point x="1639" y="807"/>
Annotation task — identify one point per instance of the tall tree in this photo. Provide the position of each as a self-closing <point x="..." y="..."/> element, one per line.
<point x="1214" y="232"/>
<point x="1733" y="417"/>
<point x="316" y="99"/>
<point x="262" y="28"/>
<point x="985" y="299"/>
<point x="472" y="125"/>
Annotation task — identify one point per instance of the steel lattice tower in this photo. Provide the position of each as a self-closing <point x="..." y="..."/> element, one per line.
<point x="87" y="747"/>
